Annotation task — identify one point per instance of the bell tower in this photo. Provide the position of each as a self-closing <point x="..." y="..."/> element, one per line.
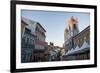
<point x="73" y="26"/>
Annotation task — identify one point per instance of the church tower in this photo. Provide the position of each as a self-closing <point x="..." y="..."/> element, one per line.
<point x="73" y="26"/>
<point x="69" y="32"/>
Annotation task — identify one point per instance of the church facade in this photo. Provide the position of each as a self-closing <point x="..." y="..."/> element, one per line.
<point x="76" y="43"/>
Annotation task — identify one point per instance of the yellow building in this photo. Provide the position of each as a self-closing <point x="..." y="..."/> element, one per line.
<point x="82" y="40"/>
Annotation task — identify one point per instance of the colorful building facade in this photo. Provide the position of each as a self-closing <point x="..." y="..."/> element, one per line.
<point x="27" y="42"/>
<point x="34" y="34"/>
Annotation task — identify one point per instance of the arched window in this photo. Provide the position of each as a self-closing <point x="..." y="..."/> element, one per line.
<point x="74" y="26"/>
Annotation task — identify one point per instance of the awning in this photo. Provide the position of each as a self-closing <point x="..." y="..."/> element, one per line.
<point x="85" y="47"/>
<point x="38" y="50"/>
<point x="38" y="42"/>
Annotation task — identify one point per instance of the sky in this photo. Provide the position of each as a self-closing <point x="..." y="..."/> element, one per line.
<point x="55" y="22"/>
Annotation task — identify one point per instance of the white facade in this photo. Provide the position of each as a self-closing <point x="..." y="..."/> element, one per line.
<point x="38" y="31"/>
<point x="31" y="24"/>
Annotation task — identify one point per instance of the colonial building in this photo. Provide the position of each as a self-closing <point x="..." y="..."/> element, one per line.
<point x="40" y="44"/>
<point x="33" y="39"/>
<point x="77" y="44"/>
<point x="27" y="42"/>
<point x="54" y="52"/>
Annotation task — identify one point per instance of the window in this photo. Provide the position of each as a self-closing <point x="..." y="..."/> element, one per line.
<point x="27" y="40"/>
<point x="33" y="41"/>
<point x="74" y="26"/>
<point x="84" y="38"/>
<point x="27" y="30"/>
